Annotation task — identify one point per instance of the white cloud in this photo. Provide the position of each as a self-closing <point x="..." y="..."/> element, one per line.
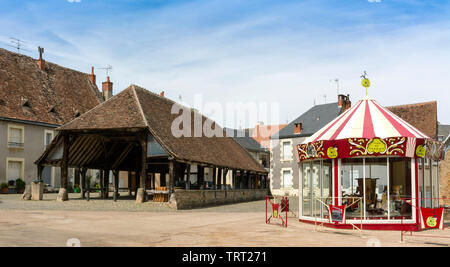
<point x="74" y="1"/>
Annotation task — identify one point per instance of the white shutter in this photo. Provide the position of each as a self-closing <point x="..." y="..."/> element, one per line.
<point x="15" y="135"/>
<point x="14" y="170"/>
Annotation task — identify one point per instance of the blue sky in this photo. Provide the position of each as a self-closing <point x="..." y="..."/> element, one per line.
<point x="252" y="50"/>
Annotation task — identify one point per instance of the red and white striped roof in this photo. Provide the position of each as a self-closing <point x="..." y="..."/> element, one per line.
<point x="366" y="119"/>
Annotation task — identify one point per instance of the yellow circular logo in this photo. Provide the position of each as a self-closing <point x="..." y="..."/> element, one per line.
<point x="421" y="151"/>
<point x="275" y="214"/>
<point x="431" y="221"/>
<point x="365" y="83"/>
<point x="332" y="153"/>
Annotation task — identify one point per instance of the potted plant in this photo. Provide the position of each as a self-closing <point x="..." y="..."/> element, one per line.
<point x="76" y="188"/>
<point x="4" y="188"/>
<point x="20" y="186"/>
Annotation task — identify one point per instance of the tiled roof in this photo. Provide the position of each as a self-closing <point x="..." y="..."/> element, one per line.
<point x="243" y="137"/>
<point x="136" y="107"/>
<point x="53" y="96"/>
<point x="312" y="121"/>
<point x="423" y="116"/>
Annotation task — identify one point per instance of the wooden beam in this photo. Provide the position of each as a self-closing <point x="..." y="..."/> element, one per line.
<point x="224" y="179"/>
<point x="214" y="182"/>
<point x="219" y="178"/>
<point x="188" y="177"/>
<point x="63" y="194"/>
<point x="116" y="185"/>
<point x="171" y="177"/>
<point x="83" y="182"/>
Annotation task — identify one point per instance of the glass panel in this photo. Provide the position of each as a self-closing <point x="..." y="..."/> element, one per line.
<point x="306" y="196"/>
<point x="287" y="179"/>
<point x="351" y="186"/>
<point x="421" y="180"/>
<point x="435" y="184"/>
<point x="316" y="188"/>
<point x="327" y="187"/>
<point x="427" y="184"/>
<point x="376" y="193"/>
<point x="400" y="187"/>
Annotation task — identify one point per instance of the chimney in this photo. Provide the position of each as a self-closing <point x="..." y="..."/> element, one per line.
<point x="341" y="100"/>
<point x="162" y="93"/>
<point x="41" y="62"/>
<point x="107" y="88"/>
<point x="298" y="128"/>
<point x="93" y="80"/>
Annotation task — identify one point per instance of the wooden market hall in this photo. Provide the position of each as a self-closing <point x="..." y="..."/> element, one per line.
<point x="133" y="132"/>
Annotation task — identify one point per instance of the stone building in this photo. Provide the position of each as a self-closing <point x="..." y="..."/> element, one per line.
<point x="284" y="167"/>
<point x="36" y="97"/>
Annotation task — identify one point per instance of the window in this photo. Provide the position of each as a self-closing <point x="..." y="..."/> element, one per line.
<point x="287" y="150"/>
<point x="15" y="136"/>
<point x="48" y="138"/>
<point x="287" y="179"/>
<point x="14" y="169"/>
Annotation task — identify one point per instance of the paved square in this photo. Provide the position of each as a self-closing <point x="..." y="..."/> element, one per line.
<point x="125" y="223"/>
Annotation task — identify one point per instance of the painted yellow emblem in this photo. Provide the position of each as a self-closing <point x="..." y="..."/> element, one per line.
<point x="376" y="146"/>
<point x="420" y="151"/>
<point x="431" y="221"/>
<point x="365" y="83"/>
<point x="275" y="214"/>
<point x="332" y="153"/>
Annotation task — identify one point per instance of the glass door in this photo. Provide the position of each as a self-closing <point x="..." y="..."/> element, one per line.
<point x="306" y="186"/>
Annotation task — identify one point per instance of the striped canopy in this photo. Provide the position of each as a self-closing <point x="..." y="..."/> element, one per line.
<point x="366" y="129"/>
<point x="367" y="119"/>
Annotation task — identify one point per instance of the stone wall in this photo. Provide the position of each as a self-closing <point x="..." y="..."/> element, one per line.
<point x="444" y="179"/>
<point x="188" y="199"/>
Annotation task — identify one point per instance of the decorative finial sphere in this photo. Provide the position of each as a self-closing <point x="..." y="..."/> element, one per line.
<point x="365" y="83"/>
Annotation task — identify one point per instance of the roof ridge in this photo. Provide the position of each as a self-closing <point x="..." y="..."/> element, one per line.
<point x="141" y="111"/>
<point x="92" y="109"/>
<point x="413" y="104"/>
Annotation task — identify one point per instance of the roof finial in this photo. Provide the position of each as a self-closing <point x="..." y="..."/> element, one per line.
<point x="365" y="82"/>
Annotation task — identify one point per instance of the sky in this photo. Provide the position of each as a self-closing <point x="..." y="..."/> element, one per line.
<point x="286" y="52"/>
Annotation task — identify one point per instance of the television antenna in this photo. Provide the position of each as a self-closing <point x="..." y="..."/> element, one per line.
<point x="18" y="44"/>
<point x="336" y="80"/>
<point x="108" y="68"/>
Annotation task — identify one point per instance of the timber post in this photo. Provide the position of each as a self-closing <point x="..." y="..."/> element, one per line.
<point x="171" y="177"/>
<point x="116" y="185"/>
<point x="62" y="194"/>
<point x="106" y="184"/>
<point x="129" y="183"/>
<point x="219" y="179"/>
<point x="141" y="194"/>
<point x="214" y="169"/>
<point x="224" y="179"/>
<point x="188" y="177"/>
<point x="83" y="183"/>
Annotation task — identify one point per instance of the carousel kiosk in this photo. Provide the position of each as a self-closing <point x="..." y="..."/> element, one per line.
<point x="375" y="167"/>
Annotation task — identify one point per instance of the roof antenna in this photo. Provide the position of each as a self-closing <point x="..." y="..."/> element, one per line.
<point x="18" y="44"/>
<point x="336" y="80"/>
<point x="108" y="68"/>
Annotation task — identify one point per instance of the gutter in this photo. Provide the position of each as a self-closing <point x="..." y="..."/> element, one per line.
<point x="30" y="122"/>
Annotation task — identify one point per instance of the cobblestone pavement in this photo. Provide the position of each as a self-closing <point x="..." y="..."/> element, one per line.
<point x="125" y="223"/>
